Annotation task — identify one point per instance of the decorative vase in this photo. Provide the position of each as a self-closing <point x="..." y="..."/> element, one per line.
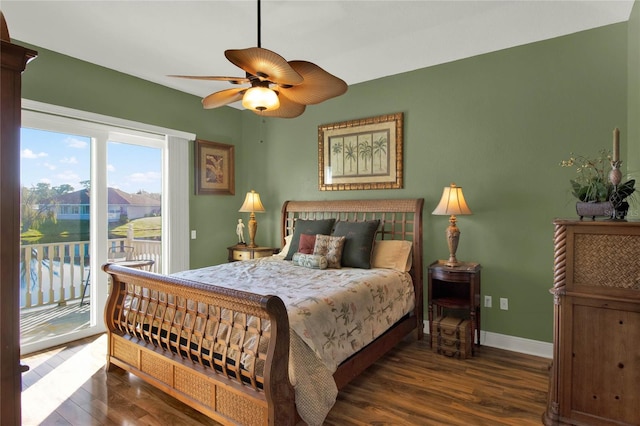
<point x="593" y="209"/>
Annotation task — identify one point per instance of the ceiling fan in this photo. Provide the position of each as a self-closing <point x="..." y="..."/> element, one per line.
<point x="278" y="88"/>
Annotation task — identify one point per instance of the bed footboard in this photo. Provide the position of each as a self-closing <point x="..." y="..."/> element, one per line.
<point x="220" y="351"/>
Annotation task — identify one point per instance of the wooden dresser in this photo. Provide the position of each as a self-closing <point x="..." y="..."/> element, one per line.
<point x="595" y="375"/>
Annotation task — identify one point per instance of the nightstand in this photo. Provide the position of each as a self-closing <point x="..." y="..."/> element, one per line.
<point x="242" y="252"/>
<point x="456" y="288"/>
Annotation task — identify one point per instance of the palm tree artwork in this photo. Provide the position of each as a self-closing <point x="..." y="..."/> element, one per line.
<point x="336" y="151"/>
<point x="380" y="150"/>
<point x="351" y="154"/>
<point x="365" y="152"/>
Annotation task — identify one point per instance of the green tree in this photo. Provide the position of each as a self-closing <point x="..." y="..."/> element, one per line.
<point x="65" y="188"/>
<point x="37" y="205"/>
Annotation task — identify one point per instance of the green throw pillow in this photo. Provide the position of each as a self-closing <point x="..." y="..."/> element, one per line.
<point x="358" y="243"/>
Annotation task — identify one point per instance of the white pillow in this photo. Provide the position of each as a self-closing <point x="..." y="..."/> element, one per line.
<point x="392" y="254"/>
<point x="285" y="249"/>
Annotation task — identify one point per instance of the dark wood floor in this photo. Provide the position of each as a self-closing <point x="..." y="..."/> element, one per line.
<point x="409" y="386"/>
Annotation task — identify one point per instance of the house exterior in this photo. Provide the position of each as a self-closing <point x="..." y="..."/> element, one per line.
<point x="75" y="205"/>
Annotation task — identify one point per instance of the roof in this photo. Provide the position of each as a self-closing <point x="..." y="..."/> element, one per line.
<point x="115" y="196"/>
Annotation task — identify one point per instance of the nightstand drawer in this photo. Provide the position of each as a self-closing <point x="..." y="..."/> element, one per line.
<point x="241" y="255"/>
<point x="257" y="254"/>
<point x="449" y="276"/>
<point x="243" y="252"/>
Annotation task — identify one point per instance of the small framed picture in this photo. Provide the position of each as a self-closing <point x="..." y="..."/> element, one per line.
<point x="214" y="168"/>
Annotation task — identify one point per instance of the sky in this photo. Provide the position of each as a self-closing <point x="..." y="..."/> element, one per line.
<point x="58" y="158"/>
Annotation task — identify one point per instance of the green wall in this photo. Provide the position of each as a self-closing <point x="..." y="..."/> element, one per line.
<point x="496" y="124"/>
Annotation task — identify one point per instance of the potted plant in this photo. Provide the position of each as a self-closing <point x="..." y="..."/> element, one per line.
<point x="593" y="187"/>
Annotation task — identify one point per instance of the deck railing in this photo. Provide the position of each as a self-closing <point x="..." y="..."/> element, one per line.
<point x="56" y="273"/>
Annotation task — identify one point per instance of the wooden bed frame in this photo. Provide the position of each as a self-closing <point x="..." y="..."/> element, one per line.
<point x="162" y="328"/>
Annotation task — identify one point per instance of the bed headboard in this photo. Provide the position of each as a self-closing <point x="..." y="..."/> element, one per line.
<point x="399" y="220"/>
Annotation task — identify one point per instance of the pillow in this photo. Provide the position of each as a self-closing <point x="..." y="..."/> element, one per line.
<point x="358" y="243"/>
<point x="313" y="261"/>
<point x="305" y="226"/>
<point x="307" y="242"/>
<point x="287" y="244"/>
<point x="392" y="254"/>
<point x="331" y="248"/>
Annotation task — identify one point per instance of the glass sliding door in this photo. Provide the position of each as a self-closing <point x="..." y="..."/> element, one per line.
<point x="91" y="183"/>
<point x="55" y="234"/>
<point x="87" y="188"/>
<point x="134" y="200"/>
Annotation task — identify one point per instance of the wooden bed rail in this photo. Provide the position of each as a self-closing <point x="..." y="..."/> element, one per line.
<point x="215" y="349"/>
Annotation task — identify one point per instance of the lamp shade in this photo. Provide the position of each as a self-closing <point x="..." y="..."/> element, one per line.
<point x="252" y="203"/>
<point x="452" y="202"/>
<point x="260" y="99"/>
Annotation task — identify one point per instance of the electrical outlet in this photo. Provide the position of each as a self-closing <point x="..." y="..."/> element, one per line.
<point x="193" y="234"/>
<point x="504" y="303"/>
<point x="487" y="301"/>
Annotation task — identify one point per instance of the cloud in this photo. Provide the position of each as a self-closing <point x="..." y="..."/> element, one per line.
<point x="49" y="166"/>
<point x="110" y="168"/>
<point x="145" y="177"/>
<point x="76" y="143"/>
<point x="69" y="160"/>
<point x="27" y="153"/>
<point x="68" y="176"/>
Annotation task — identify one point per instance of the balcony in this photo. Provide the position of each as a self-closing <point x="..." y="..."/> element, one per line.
<point x="53" y="278"/>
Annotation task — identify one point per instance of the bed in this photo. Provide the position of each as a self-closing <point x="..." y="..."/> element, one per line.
<point x="229" y="349"/>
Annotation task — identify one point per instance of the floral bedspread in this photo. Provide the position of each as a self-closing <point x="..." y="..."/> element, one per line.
<point x="334" y="313"/>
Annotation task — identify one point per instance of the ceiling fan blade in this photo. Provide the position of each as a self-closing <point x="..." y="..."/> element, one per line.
<point x="265" y="64"/>
<point x="318" y="85"/>
<point x="233" y="80"/>
<point x="223" y="97"/>
<point x="287" y="109"/>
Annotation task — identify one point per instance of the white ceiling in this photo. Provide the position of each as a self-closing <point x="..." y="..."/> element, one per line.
<point x="356" y="40"/>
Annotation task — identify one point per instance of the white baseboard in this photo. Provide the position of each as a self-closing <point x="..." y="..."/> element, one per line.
<point x="512" y="343"/>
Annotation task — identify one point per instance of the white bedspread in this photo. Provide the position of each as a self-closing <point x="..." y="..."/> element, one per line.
<point x="335" y="312"/>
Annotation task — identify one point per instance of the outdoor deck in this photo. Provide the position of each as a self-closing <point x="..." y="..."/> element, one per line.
<point x="53" y="280"/>
<point x="43" y="323"/>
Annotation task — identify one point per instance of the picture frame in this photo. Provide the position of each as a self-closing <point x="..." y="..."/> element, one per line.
<point x="361" y="154"/>
<point x="214" y="168"/>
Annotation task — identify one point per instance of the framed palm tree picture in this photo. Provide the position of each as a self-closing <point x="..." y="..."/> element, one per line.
<point x="361" y="154"/>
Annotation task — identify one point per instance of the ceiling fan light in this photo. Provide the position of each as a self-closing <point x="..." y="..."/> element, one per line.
<point x="260" y="99"/>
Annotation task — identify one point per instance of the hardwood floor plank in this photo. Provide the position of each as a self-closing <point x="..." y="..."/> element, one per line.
<point x="411" y="385"/>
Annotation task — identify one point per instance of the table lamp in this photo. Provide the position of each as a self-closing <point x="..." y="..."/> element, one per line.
<point x="452" y="203"/>
<point x="251" y="205"/>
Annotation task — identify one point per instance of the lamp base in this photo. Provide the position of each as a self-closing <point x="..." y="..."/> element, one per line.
<point x="453" y="236"/>
<point x="253" y="228"/>
<point x="452" y="263"/>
